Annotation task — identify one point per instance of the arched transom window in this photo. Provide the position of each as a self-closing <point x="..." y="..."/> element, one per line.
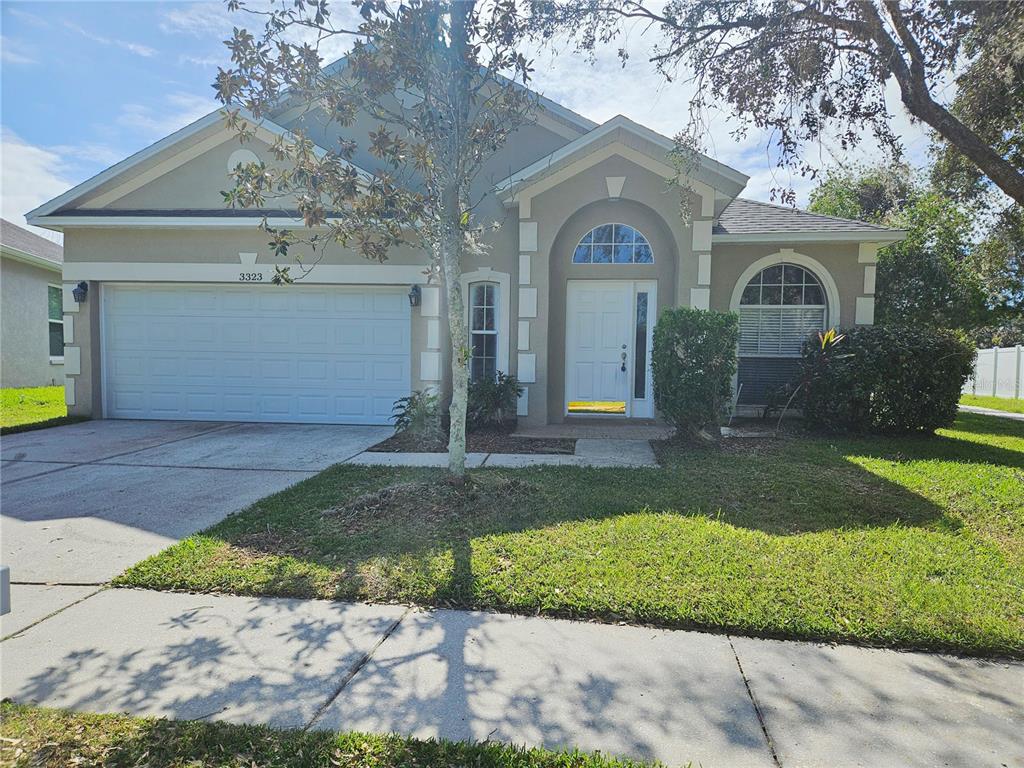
<point x="613" y="244"/>
<point x="779" y="308"/>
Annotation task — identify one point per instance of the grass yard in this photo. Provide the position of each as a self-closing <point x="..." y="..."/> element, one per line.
<point x="48" y="738"/>
<point x="903" y="542"/>
<point x="1009" y="404"/>
<point x="33" y="408"/>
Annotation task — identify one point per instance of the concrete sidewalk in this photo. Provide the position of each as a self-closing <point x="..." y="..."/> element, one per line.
<point x="641" y="692"/>
<point x="992" y="412"/>
<point x="590" y="452"/>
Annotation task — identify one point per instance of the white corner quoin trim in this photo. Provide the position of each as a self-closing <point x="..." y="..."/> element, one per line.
<point x="789" y="256"/>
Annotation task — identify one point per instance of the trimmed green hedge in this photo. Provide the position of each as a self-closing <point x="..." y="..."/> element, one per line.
<point x="886" y="379"/>
<point x="694" y="359"/>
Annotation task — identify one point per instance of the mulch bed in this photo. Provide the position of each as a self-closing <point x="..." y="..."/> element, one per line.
<point x="484" y="441"/>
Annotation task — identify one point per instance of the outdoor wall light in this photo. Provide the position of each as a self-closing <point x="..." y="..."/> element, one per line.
<point x="415" y="296"/>
<point x="80" y="291"/>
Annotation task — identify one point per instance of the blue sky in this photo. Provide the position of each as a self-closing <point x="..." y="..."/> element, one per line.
<point x="85" y="84"/>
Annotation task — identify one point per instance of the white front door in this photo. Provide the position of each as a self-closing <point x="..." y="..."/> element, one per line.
<point x="608" y="340"/>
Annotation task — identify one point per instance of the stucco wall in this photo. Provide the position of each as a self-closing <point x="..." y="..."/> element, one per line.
<point x="728" y="262"/>
<point x="199" y="182"/>
<point x="24" y="343"/>
<point x="200" y="247"/>
<point x="563" y="214"/>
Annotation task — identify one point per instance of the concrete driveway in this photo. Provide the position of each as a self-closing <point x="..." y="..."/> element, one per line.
<point x="81" y="503"/>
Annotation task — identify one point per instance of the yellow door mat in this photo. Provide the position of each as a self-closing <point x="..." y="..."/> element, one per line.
<point x="598" y="406"/>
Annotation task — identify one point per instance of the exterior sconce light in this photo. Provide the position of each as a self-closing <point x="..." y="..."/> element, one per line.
<point x="415" y="296"/>
<point x="80" y="291"/>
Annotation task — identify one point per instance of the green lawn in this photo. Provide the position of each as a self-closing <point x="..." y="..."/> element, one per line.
<point x="1010" y="404"/>
<point x="909" y="542"/>
<point x="33" y="408"/>
<point x="48" y="738"/>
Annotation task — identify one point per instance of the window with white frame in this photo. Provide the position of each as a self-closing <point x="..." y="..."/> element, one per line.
<point x="613" y="244"/>
<point x="55" y="315"/>
<point x="780" y="307"/>
<point x="483" y="330"/>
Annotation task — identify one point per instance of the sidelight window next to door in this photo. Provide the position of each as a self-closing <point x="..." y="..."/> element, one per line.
<point x="608" y="339"/>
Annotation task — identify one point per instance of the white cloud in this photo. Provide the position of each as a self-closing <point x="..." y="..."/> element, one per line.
<point x="30" y="176"/>
<point x="203" y="20"/>
<point x="606" y="88"/>
<point x="90" y="155"/>
<point x="185" y="108"/>
<point x="137" y="48"/>
<point x="29" y="18"/>
<point x="198" y="19"/>
<point x="14" y="52"/>
<point x="206" y="62"/>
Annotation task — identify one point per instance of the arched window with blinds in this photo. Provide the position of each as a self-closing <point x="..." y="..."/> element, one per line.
<point x="779" y="308"/>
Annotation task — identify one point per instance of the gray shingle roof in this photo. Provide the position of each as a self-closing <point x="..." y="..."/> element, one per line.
<point x="750" y="217"/>
<point x="19" y="238"/>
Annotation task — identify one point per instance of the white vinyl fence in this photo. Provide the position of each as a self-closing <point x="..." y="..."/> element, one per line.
<point x="998" y="372"/>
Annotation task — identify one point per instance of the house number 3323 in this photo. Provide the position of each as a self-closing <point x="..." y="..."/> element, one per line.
<point x="250" y="277"/>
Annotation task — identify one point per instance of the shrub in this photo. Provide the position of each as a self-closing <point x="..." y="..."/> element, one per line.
<point x="492" y="402"/>
<point x="419" y="413"/>
<point x="888" y="379"/>
<point x="694" y="359"/>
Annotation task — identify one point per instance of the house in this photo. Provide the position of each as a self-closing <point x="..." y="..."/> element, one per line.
<point x="179" y="322"/>
<point x="31" y="312"/>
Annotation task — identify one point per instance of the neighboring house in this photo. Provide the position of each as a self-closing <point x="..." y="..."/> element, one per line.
<point x="179" y="322"/>
<point x="31" y="314"/>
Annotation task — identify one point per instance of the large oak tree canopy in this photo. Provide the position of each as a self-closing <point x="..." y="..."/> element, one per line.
<point x="800" y="67"/>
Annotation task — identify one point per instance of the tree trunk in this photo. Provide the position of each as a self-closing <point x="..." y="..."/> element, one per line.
<point x="451" y="272"/>
<point x="459" y="75"/>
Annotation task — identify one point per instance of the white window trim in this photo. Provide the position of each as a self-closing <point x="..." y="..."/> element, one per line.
<point x="496" y="308"/>
<point x="54" y="359"/>
<point x="651" y="263"/>
<point x="788" y="256"/>
<point x="504" y="282"/>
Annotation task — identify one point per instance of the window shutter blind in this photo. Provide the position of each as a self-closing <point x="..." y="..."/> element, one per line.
<point x="778" y="330"/>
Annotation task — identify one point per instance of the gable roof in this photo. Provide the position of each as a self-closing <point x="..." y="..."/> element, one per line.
<point x="559" y="111"/>
<point x="751" y="220"/>
<point x="18" y="243"/>
<point x="620" y="123"/>
<point x="204" y="124"/>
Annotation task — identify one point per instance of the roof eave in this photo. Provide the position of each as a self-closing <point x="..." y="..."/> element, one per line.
<point x="507" y="189"/>
<point x="30" y="258"/>
<point x="845" y="236"/>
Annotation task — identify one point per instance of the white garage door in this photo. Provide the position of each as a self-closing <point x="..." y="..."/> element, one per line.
<point x="317" y="354"/>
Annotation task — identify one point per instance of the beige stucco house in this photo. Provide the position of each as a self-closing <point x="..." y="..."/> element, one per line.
<point x="179" y="321"/>
<point x="31" y="315"/>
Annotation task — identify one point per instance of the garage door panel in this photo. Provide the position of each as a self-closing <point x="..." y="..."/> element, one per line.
<point x="256" y="353"/>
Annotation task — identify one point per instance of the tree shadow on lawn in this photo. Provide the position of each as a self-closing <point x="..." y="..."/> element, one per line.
<point x="786" y="487"/>
<point x="546" y="539"/>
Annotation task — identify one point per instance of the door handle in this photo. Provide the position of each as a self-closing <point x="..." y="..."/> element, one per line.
<point x="623" y="369"/>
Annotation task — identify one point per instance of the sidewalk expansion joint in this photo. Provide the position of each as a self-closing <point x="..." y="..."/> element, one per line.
<point x="23" y="630"/>
<point x="101" y="461"/>
<point x="363" y="661"/>
<point x="757" y="709"/>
